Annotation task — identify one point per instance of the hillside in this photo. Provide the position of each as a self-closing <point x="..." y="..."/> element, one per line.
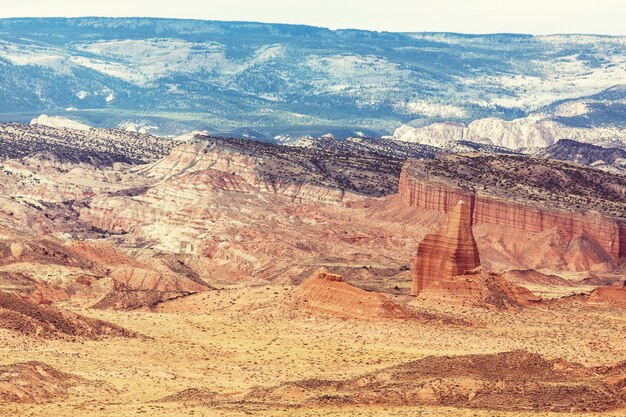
<point x="170" y="76"/>
<point x="100" y="145"/>
<point x="609" y="159"/>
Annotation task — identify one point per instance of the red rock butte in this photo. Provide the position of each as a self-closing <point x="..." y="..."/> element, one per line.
<point x="328" y="294"/>
<point x="448" y="253"/>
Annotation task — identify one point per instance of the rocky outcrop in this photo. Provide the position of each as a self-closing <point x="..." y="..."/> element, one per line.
<point x="447" y="253"/>
<point x="436" y="134"/>
<point x="445" y="269"/>
<point x="532" y="131"/>
<point x="192" y="395"/>
<point x="34" y="290"/>
<point x="37" y="382"/>
<point x="328" y="294"/>
<point x="608" y="233"/>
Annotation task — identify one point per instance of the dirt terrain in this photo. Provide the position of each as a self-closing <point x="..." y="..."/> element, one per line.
<point x="236" y="339"/>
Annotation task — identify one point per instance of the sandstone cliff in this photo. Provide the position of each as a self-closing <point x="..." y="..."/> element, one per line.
<point x="591" y="222"/>
<point x="448" y="253"/>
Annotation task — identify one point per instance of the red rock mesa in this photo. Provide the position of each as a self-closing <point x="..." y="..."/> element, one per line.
<point x="488" y="207"/>
<point x="448" y="253"/>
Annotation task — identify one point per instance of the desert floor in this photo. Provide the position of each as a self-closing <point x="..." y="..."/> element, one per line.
<point x="230" y="340"/>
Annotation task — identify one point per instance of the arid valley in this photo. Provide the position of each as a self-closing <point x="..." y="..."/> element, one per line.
<point x="213" y="276"/>
<point x="319" y="208"/>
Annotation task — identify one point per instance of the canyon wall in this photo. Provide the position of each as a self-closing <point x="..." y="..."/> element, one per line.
<point x="608" y="233"/>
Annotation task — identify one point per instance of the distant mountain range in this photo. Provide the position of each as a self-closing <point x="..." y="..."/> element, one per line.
<point x="594" y="119"/>
<point x="266" y="80"/>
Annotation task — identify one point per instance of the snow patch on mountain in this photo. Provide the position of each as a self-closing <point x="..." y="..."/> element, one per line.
<point x="429" y="109"/>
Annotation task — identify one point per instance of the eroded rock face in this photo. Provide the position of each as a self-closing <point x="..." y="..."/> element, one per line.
<point x="328" y="294"/>
<point x="448" y="253"/>
<point x="531" y="131"/>
<point x="602" y="239"/>
<point x="137" y="287"/>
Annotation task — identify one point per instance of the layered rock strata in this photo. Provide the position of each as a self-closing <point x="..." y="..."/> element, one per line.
<point x="134" y="288"/>
<point x="328" y="294"/>
<point x="448" y="253"/>
<point x="607" y="232"/>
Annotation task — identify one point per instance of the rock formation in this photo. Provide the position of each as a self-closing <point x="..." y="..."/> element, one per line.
<point x="137" y="287"/>
<point x="448" y="253"/>
<point x="445" y="269"/>
<point x="328" y="294"/>
<point x="478" y="289"/>
<point x="613" y="295"/>
<point x="528" y="132"/>
<point x="505" y="199"/>
<point x="192" y="395"/>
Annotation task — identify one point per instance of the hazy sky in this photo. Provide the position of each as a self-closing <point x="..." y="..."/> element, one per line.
<point x="469" y="16"/>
